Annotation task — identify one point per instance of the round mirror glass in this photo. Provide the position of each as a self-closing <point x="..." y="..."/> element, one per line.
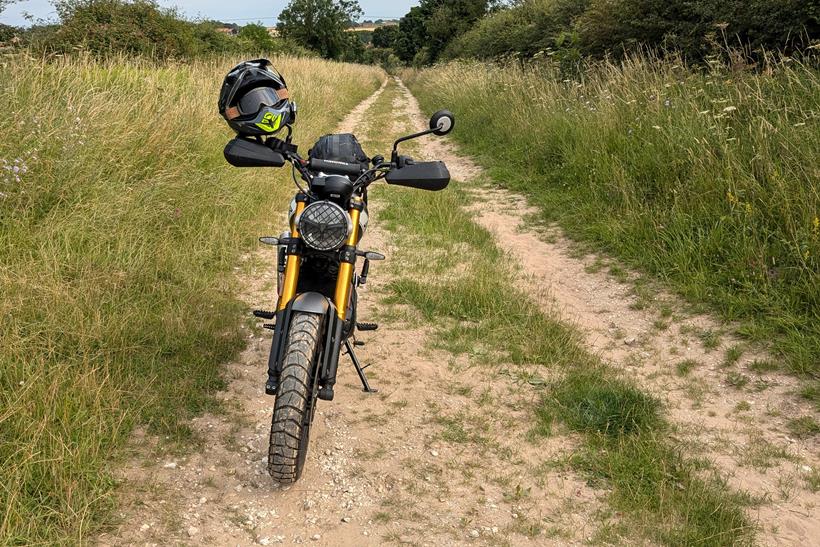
<point x="442" y="122"/>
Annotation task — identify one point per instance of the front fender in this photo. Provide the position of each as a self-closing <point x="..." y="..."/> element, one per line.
<point x="311" y="302"/>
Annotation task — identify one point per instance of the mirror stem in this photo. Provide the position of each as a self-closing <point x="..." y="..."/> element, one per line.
<point x="410" y="137"/>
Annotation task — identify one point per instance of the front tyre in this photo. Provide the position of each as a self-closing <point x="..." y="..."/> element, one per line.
<point x="295" y="400"/>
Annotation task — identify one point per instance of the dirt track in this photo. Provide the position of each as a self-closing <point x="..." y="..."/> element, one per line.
<point x="392" y="467"/>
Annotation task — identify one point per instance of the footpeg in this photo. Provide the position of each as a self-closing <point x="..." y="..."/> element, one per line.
<point x="367" y="326"/>
<point x="262" y="314"/>
<point x="269" y="326"/>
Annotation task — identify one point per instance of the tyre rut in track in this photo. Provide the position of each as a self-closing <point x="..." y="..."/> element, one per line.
<point x="736" y="415"/>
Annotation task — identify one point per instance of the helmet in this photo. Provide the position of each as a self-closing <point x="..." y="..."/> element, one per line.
<point x="254" y="99"/>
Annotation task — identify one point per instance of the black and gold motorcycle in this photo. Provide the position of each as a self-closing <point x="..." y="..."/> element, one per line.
<point x="316" y="312"/>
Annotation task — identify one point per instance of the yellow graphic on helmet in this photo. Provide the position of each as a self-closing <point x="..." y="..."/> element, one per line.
<point x="270" y="122"/>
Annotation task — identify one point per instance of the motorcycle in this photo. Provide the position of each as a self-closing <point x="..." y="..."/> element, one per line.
<point x="315" y="316"/>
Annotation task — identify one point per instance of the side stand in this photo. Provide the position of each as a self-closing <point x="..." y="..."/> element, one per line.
<point x="359" y="369"/>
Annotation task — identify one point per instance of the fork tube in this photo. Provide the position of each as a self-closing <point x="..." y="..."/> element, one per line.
<point x="345" y="279"/>
<point x="291" y="277"/>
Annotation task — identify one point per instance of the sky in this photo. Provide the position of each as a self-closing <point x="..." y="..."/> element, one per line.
<point x="238" y="11"/>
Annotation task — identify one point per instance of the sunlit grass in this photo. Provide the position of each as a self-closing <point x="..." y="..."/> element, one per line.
<point x="707" y="178"/>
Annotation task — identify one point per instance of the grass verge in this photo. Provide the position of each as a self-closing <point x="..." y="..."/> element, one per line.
<point x="465" y="286"/>
<point x="705" y="178"/>
<point x="120" y="225"/>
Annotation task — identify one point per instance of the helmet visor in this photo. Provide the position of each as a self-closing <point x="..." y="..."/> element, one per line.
<point x="255" y="99"/>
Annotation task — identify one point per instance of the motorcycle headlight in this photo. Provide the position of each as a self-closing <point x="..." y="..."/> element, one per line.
<point x="324" y="226"/>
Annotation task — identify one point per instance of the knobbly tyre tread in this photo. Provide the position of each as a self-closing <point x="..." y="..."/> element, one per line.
<point x="292" y="398"/>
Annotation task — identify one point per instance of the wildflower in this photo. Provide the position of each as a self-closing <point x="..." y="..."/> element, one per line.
<point x="667" y="103"/>
<point x="731" y="198"/>
<point x="730" y="109"/>
<point x="748" y="208"/>
<point x="815" y="226"/>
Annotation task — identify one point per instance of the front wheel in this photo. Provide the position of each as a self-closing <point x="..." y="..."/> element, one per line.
<point x="295" y="400"/>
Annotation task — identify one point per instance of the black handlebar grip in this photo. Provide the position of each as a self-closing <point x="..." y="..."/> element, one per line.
<point x="335" y="167"/>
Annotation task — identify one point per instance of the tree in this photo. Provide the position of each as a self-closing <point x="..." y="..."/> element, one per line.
<point x="140" y="27"/>
<point x="449" y="19"/>
<point x="385" y="37"/>
<point x="7" y="32"/>
<point x="256" y="37"/>
<point x="320" y="25"/>
<point x="429" y="27"/>
<point x="412" y="34"/>
<point x="5" y="3"/>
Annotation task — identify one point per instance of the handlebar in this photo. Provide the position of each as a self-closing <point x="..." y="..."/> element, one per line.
<point x="335" y="167"/>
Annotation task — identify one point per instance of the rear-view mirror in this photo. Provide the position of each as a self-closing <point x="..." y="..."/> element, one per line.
<point x="442" y="122"/>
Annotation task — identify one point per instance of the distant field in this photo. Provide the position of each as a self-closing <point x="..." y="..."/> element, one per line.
<point x="119" y="221"/>
<point x="709" y="179"/>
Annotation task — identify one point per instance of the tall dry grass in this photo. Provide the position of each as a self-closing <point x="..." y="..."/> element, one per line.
<point x="708" y="178"/>
<point x="120" y="224"/>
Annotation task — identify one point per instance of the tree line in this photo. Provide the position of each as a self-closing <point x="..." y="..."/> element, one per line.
<point x="568" y="30"/>
<point x="142" y="28"/>
<point x="435" y="30"/>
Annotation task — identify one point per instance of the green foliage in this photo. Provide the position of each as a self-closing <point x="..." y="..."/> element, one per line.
<point x="427" y="29"/>
<point x="385" y="37"/>
<point x="320" y="25"/>
<point x="255" y="37"/>
<point x="7" y="32"/>
<point x="708" y="179"/>
<point x="598" y="27"/>
<point x="593" y="402"/>
<point x="697" y="28"/>
<point x="384" y="57"/>
<point x="529" y="28"/>
<point x="803" y="427"/>
<point x="449" y="19"/>
<point x="411" y="35"/>
<point x="143" y="28"/>
<point x="137" y="28"/>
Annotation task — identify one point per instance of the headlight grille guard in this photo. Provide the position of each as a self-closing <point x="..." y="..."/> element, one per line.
<point x="324" y="226"/>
